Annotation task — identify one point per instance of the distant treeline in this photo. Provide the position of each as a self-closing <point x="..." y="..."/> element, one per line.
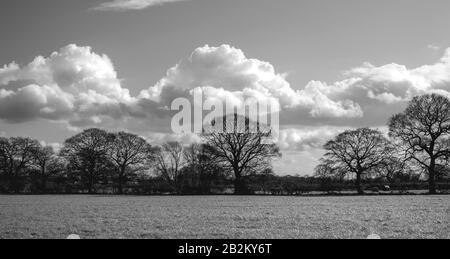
<point x="415" y="156"/>
<point x="192" y="183"/>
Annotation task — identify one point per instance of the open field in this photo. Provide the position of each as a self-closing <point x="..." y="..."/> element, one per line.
<point x="224" y="217"/>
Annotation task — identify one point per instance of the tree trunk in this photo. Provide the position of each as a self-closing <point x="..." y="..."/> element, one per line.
<point x="120" y="187"/>
<point x="239" y="185"/>
<point x="15" y="185"/>
<point x="358" y="184"/>
<point x="44" y="185"/>
<point x="176" y="184"/>
<point x="205" y="181"/>
<point x="432" y="177"/>
<point x="43" y="181"/>
<point x="91" y="183"/>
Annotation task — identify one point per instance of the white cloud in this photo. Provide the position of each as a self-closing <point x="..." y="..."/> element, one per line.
<point x="399" y="81"/>
<point x="225" y="72"/>
<point x="7" y="72"/>
<point x="379" y="91"/>
<point x="124" y="5"/>
<point x="79" y="87"/>
<point x="73" y="84"/>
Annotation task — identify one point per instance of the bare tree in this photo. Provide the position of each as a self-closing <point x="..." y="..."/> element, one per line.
<point x="358" y="152"/>
<point x="129" y="154"/>
<point x="87" y="154"/>
<point x="169" y="162"/>
<point x="241" y="151"/>
<point x="16" y="155"/>
<point x="48" y="163"/>
<point x="424" y="130"/>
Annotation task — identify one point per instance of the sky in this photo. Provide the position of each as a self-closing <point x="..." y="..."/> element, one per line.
<point x="67" y="65"/>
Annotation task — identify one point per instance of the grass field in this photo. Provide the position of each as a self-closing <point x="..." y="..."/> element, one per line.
<point x="224" y="217"/>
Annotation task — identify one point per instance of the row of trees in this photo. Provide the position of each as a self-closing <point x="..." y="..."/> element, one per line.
<point x="96" y="157"/>
<point x="419" y="140"/>
<point x="87" y="156"/>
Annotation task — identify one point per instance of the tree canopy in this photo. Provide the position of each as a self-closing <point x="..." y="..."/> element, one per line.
<point x="357" y="152"/>
<point x="423" y="130"/>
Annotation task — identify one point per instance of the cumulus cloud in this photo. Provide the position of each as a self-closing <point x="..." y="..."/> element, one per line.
<point x="395" y="83"/>
<point x="225" y="72"/>
<point x="124" y="5"/>
<point x="73" y="84"/>
<point x="77" y="86"/>
<point x="380" y="91"/>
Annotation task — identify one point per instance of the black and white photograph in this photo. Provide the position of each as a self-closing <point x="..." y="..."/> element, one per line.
<point x="250" y="121"/>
